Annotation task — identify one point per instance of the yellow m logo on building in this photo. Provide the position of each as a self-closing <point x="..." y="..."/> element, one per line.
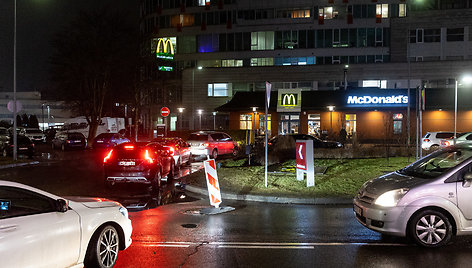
<point x="164" y="46"/>
<point x="289" y="100"/>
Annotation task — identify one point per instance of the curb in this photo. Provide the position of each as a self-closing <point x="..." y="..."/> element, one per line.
<point x="273" y="199"/>
<point x="19" y="164"/>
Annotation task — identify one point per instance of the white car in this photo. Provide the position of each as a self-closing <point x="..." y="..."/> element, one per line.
<point x="432" y="140"/>
<point x="39" y="229"/>
<point x="465" y="138"/>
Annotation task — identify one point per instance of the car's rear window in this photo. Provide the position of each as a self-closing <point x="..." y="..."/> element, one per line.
<point x="32" y="131"/>
<point x="444" y="135"/>
<point x="198" y="137"/>
<point x="105" y="135"/>
<point x="135" y="153"/>
<point x="76" y="136"/>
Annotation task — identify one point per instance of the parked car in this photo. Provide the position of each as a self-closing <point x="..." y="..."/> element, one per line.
<point x="462" y="138"/>
<point x="179" y="148"/>
<point x="212" y="143"/>
<point x="4" y="137"/>
<point x="142" y="162"/>
<point x="35" y="134"/>
<point x="429" y="200"/>
<point x="432" y="140"/>
<point x="24" y="146"/>
<point x="317" y="142"/>
<point x="59" y="232"/>
<point x="69" y="140"/>
<point x="108" y="140"/>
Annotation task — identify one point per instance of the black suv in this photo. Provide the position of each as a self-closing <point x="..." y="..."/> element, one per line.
<point x="142" y="162"/>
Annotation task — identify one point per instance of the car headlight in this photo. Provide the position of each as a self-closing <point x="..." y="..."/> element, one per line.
<point x="391" y="198"/>
<point x="124" y="212"/>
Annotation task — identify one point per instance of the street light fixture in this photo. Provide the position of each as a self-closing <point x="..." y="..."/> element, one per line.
<point x="331" y="109"/>
<point x="467" y="80"/>
<point x="199" y="111"/>
<point x="181" y="110"/>
<point x="214" y="120"/>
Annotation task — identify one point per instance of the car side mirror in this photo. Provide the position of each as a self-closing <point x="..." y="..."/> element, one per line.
<point x="467" y="182"/>
<point x="61" y="205"/>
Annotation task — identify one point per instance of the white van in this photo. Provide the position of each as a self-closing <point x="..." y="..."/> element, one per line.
<point x="107" y="124"/>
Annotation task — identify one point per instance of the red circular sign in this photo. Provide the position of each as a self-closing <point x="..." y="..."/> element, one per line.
<point x="165" y="111"/>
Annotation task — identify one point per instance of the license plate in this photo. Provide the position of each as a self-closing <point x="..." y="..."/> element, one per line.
<point x="358" y="210"/>
<point x="77" y="141"/>
<point x="126" y="163"/>
<point x="23" y="148"/>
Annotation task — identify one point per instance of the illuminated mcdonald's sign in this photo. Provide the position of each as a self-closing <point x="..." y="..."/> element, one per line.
<point x="289" y="99"/>
<point x="165" y="49"/>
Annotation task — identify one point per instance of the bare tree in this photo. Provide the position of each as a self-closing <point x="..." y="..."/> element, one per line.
<point x="94" y="63"/>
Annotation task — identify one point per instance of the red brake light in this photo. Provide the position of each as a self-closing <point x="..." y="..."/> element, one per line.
<point x="129" y="147"/>
<point x="108" y="156"/>
<point x="426" y="140"/>
<point x="447" y="143"/>
<point x="147" y="157"/>
<point x="205" y="144"/>
<point x="171" y="150"/>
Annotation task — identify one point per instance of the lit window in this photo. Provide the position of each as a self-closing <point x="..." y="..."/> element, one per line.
<point x="397" y="123"/>
<point x="262" y="41"/>
<point x="382" y="11"/>
<point x="351" y="124"/>
<point x="232" y="63"/>
<point x="203" y="3"/>
<point x="327" y="13"/>
<point x="402" y="10"/>
<point x="262" y="123"/>
<point x="262" y="61"/>
<point x="219" y="89"/>
<point x="374" y="83"/>
<point x="245" y="121"/>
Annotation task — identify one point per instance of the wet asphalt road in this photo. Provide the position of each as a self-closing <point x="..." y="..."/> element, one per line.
<point x="253" y="235"/>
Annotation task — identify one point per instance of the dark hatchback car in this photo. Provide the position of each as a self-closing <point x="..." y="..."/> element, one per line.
<point x="142" y="162"/>
<point x="69" y="140"/>
<point x="24" y="146"/>
<point x="317" y="142"/>
<point x="108" y="140"/>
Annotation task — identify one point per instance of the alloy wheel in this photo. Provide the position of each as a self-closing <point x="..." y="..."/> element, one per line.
<point x="431" y="229"/>
<point x="108" y="247"/>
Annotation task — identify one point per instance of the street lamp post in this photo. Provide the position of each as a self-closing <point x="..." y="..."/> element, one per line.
<point x="331" y="109"/>
<point x="193" y="96"/>
<point x="15" y="142"/>
<point x="200" y="111"/>
<point x="466" y="79"/>
<point x="181" y="110"/>
<point x="214" y="120"/>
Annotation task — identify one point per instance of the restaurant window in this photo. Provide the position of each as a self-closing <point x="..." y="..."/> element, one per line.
<point x="262" y="124"/>
<point x="314" y="123"/>
<point x="397" y="123"/>
<point x="289" y="124"/>
<point x="351" y="124"/>
<point x="245" y="121"/>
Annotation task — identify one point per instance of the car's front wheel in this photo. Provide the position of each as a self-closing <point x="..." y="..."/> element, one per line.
<point x="103" y="248"/>
<point x="430" y="228"/>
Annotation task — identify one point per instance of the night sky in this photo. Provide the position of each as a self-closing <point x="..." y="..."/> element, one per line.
<point x="37" y="22"/>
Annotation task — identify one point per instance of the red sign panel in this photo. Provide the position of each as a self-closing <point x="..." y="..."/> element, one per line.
<point x="165" y="111"/>
<point x="301" y="155"/>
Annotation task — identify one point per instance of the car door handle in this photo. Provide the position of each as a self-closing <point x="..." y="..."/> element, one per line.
<point x="8" y="228"/>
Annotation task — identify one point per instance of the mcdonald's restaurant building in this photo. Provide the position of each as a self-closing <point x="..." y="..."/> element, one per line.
<point x="368" y="115"/>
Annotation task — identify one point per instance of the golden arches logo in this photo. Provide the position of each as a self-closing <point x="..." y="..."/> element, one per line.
<point x="289" y="100"/>
<point x="166" y="44"/>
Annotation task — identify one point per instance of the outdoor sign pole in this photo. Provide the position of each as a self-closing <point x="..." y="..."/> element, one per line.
<point x="305" y="162"/>
<point x="267" y="103"/>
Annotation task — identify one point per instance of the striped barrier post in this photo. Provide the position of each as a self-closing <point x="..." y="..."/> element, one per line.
<point x="212" y="183"/>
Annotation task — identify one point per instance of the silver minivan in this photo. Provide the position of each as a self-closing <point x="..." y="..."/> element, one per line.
<point x="429" y="201"/>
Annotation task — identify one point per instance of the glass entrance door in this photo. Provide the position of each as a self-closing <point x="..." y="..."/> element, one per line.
<point x="289" y="124"/>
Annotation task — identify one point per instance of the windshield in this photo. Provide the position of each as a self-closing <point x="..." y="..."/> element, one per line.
<point x="198" y="137"/>
<point x="437" y="163"/>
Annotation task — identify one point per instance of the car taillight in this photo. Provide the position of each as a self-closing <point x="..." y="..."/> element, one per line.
<point x="129" y="147"/>
<point x="67" y="141"/>
<point x="447" y="143"/>
<point x="147" y="157"/>
<point x="108" y="156"/>
<point x="205" y="144"/>
<point x="426" y="140"/>
<point x="269" y="143"/>
<point x="171" y="150"/>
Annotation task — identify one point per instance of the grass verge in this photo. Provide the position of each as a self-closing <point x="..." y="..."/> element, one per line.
<point x="343" y="177"/>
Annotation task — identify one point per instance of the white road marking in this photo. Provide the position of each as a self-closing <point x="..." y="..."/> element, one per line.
<point x="262" y="245"/>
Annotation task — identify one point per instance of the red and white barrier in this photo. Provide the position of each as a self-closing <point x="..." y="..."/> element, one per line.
<point x="212" y="182"/>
